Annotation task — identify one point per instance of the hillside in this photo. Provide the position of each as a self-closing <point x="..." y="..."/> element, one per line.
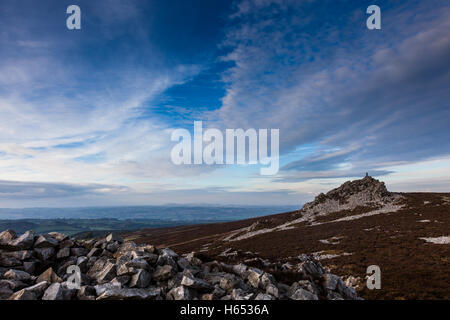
<point x="347" y="229"/>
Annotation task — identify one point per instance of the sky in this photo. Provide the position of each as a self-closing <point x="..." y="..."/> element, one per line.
<point x="86" y="116"/>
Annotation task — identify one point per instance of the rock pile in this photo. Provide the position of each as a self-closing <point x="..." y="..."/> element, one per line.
<point x="36" y="267"/>
<point x="366" y="192"/>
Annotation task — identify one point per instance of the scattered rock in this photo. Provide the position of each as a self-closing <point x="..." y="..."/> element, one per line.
<point x="24" y="242"/>
<point x="45" y="253"/>
<point x="54" y="292"/>
<point x="114" y="237"/>
<point x="49" y="276"/>
<point x="140" y="280"/>
<point x="7" y="235"/>
<point x="163" y="273"/>
<point x="107" y="273"/>
<point x="17" y="275"/>
<point x="195" y="283"/>
<point x="45" y="242"/>
<point x="130" y="294"/>
<point x="115" y="270"/>
<point x="180" y="293"/>
<point x="302" y="294"/>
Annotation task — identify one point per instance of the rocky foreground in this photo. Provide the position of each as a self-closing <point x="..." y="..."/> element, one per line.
<point x="34" y="267"/>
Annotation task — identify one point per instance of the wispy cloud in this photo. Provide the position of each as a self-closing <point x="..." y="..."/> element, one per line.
<point x="91" y="112"/>
<point x="357" y="94"/>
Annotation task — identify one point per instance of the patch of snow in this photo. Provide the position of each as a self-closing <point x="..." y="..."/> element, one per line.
<point x="321" y="256"/>
<point x="388" y="208"/>
<point x="438" y="240"/>
<point x="333" y="240"/>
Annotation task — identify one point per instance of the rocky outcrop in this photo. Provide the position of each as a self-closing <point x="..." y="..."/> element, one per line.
<point x="366" y="192"/>
<point x="34" y="267"/>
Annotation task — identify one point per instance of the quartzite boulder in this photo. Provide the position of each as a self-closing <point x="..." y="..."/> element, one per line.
<point x="36" y="267"/>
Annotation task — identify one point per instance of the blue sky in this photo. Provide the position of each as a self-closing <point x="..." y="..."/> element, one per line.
<point x="86" y="115"/>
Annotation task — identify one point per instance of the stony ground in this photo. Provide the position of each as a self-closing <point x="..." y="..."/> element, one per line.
<point x="405" y="234"/>
<point x="34" y="267"/>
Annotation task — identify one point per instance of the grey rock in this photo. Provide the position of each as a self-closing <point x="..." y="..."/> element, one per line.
<point x="140" y="280"/>
<point x="309" y="286"/>
<point x="151" y="258"/>
<point x="254" y="277"/>
<point x="38" y="289"/>
<point x="138" y="264"/>
<point x="123" y="270"/>
<point x="29" y="266"/>
<point x="101" y="288"/>
<point x="272" y="290"/>
<point x="97" y="267"/>
<point x="125" y="247"/>
<point x="168" y="253"/>
<point x="266" y="280"/>
<point x="6" y="261"/>
<point x="310" y="269"/>
<point x="196" y="283"/>
<point x="193" y="259"/>
<point x="94" y="252"/>
<point x="82" y="263"/>
<point x="239" y="294"/>
<point x="45" y="254"/>
<point x="23" y="295"/>
<point x="58" y="236"/>
<point x="63" y="253"/>
<point x="184" y="263"/>
<point x="54" y="292"/>
<point x="20" y="255"/>
<point x="66" y="243"/>
<point x="78" y="252"/>
<point x="114" y="237"/>
<point x="17" y="275"/>
<point x="218" y="292"/>
<point x="302" y="294"/>
<point x="207" y="296"/>
<point x="86" y="293"/>
<point x="45" y="241"/>
<point x="49" y="276"/>
<point x="112" y="247"/>
<point x="163" y="273"/>
<point x="121" y="279"/>
<point x="334" y="296"/>
<point x="15" y="285"/>
<point x="331" y="282"/>
<point x="7" y="235"/>
<point x="229" y="282"/>
<point x="180" y="293"/>
<point x="130" y="294"/>
<point x="107" y="273"/>
<point x="263" y="296"/>
<point x="62" y="268"/>
<point x="240" y="270"/>
<point x="23" y="242"/>
<point x="5" y="290"/>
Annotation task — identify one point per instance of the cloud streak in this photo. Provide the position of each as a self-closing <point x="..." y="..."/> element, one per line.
<point x="87" y="116"/>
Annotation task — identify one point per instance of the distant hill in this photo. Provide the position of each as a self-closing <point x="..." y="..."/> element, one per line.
<point x="349" y="228"/>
